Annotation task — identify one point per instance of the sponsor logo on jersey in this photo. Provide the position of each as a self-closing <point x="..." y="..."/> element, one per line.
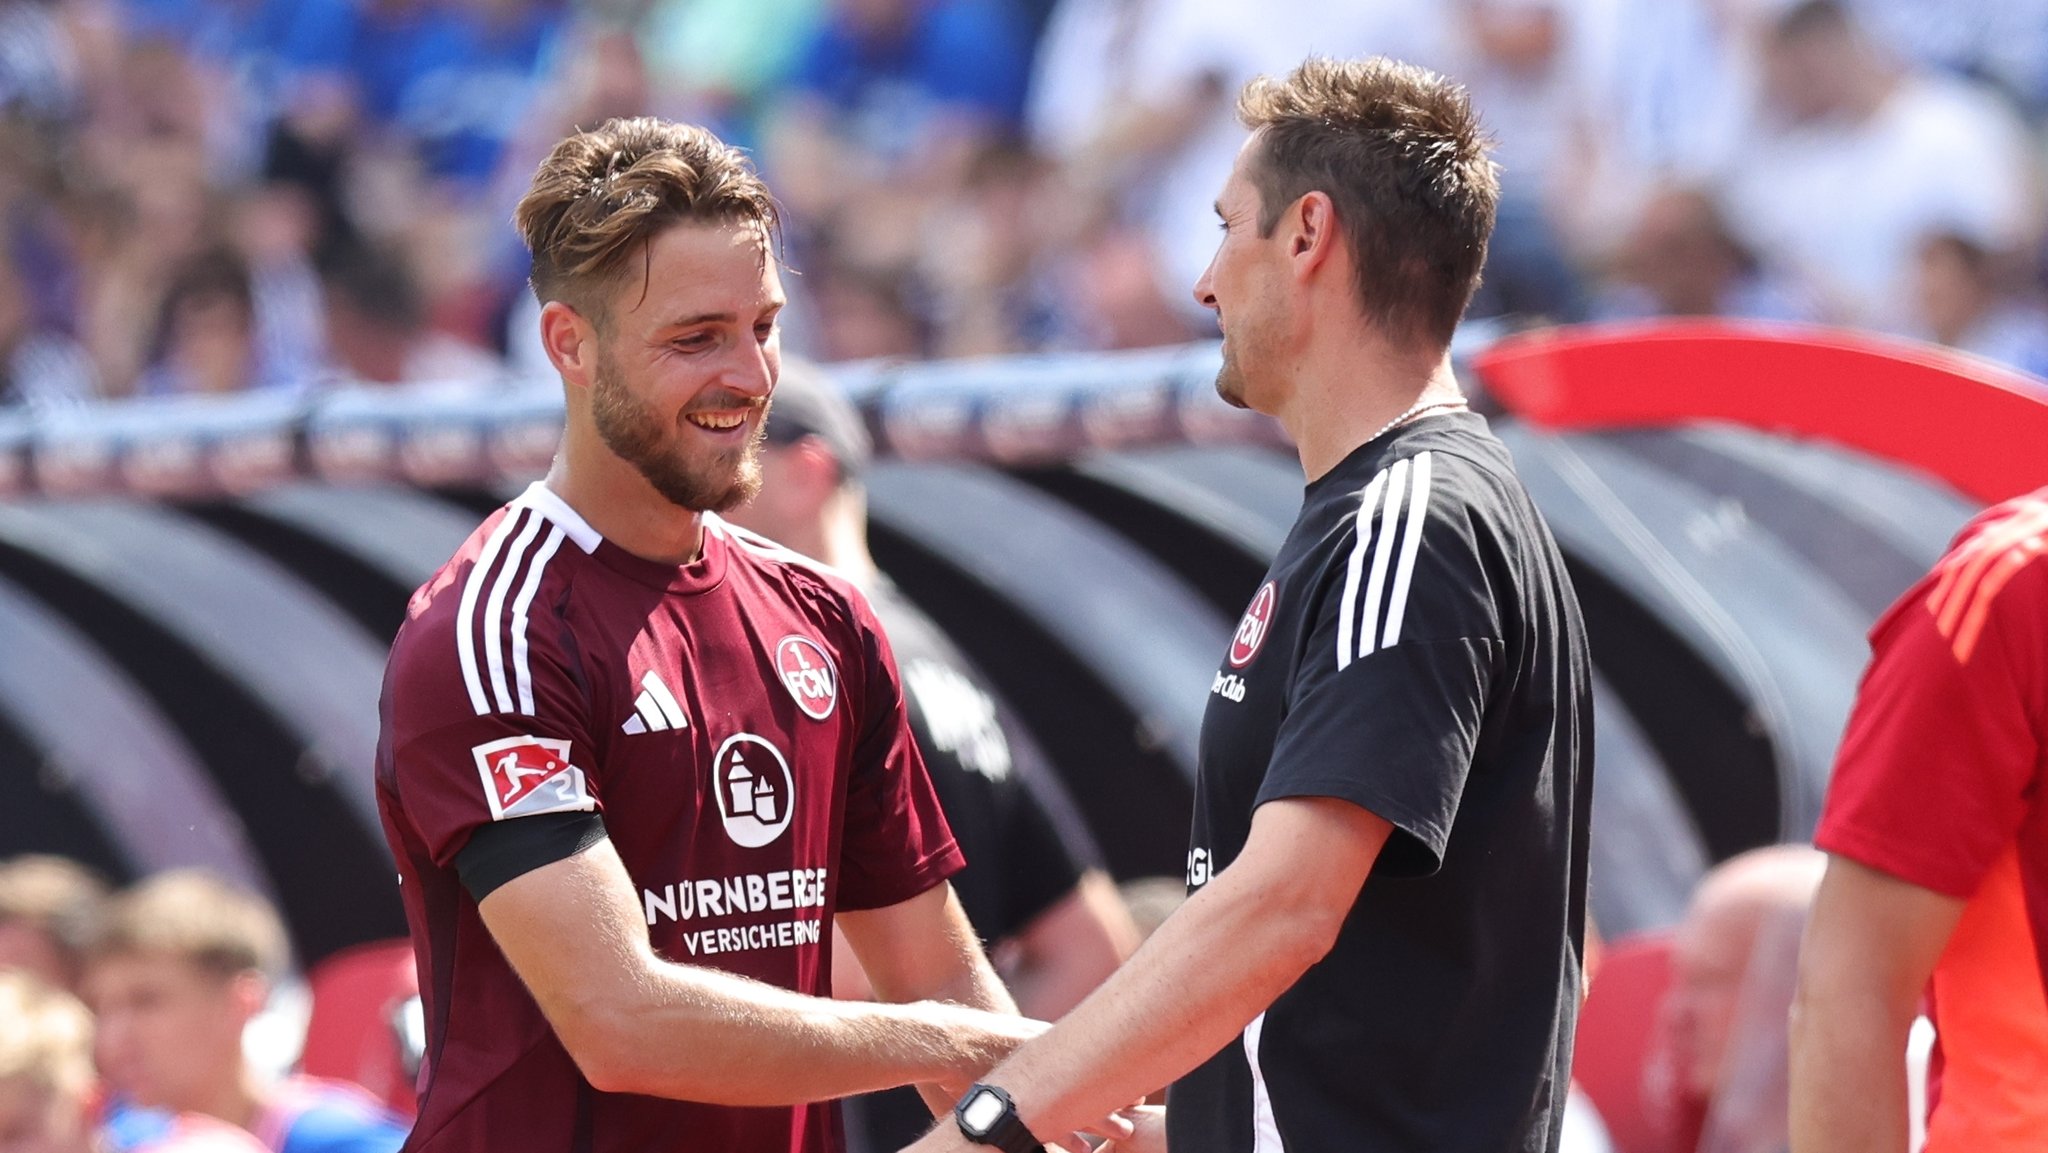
<point x="1252" y="630"/>
<point x="526" y="776"/>
<point x="1229" y="686"/>
<point x="756" y="793"/>
<point x="737" y="895"/>
<point x="808" y="675"/>
<point x="1199" y="868"/>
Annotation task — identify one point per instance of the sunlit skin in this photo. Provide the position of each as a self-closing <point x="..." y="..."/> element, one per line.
<point x="1709" y="960"/>
<point x="168" y="1033"/>
<point x="668" y="396"/>
<point x="36" y="1118"/>
<point x="1297" y="345"/>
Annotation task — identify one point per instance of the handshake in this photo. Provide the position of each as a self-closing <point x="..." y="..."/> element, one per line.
<point x="982" y="1045"/>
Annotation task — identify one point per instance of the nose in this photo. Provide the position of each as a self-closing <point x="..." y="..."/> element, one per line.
<point x="755" y="370"/>
<point x="1205" y="288"/>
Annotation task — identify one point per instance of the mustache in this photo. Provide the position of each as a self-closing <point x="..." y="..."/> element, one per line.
<point x="725" y="400"/>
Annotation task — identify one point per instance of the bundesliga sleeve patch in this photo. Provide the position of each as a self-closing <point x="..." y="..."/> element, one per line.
<point x="527" y="776"/>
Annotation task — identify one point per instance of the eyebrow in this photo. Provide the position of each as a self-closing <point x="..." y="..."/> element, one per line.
<point x="720" y="317"/>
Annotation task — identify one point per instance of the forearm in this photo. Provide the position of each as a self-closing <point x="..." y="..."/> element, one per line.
<point x="1848" y="1072"/>
<point x="1188" y="992"/>
<point x="698" y="1034"/>
<point x="1871" y="943"/>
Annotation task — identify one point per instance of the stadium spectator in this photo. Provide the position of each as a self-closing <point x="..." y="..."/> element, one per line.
<point x="1936" y="829"/>
<point x="724" y="61"/>
<point x="376" y="325"/>
<point x="176" y="969"/>
<point x="1965" y="302"/>
<point x="206" y="329"/>
<point x="47" y="1089"/>
<point x="1860" y="158"/>
<point x="1736" y="947"/>
<point x="1682" y="259"/>
<point x="1032" y="887"/>
<point x="40" y="365"/>
<point x="47" y="907"/>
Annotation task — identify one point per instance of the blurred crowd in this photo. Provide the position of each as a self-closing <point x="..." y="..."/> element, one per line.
<point x="166" y="1017"/>
<point x="225" y="195"/>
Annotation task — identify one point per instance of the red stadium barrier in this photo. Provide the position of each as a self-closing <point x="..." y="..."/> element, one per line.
<point x="1979" y="426"/>
<point x="353" y="1034"/>
<point x="1617" y="1033"/>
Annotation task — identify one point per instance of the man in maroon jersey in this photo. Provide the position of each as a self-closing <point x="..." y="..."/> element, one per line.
<point x="635" y="761"/>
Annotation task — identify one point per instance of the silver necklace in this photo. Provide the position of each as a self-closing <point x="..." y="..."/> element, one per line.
<point x="1454" y="405"/>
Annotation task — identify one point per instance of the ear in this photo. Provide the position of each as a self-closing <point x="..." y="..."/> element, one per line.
<point x="1313" y="236"/>
<point x="817" y="467"/>
<point x="571" y="343"/>
<point x="249" y="992"/>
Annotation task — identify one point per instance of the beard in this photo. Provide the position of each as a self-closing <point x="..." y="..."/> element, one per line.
<point x="1230" y="378"/>
<point x="641" y="437"/>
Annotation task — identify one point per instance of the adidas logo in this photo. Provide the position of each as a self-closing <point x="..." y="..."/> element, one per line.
<point x="655" y="710"/>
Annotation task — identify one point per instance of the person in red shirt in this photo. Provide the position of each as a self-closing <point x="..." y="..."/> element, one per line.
<point x="1936" y="825"/>
<point x="636" y="761"/>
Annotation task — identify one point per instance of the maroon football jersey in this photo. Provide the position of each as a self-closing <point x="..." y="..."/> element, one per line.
<point x="739" y="724"/>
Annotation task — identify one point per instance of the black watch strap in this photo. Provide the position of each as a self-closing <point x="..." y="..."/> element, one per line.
<point x="987" y="1116"/>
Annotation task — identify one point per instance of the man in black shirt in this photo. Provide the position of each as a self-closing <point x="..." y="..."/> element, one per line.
<point x="1381" y="949"/>
<point x="1033" y="888"/>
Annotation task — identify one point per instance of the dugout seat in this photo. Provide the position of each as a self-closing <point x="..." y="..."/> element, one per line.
<point x="1617" y="1031"/>
<point x="355" y="1031"/>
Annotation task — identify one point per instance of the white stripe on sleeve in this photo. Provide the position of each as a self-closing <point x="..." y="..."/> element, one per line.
<point x="1411" y="543"/>
<point x="494" y="612"/>
<point x="1347" y="608"/>
<point x="521" y="670"/>
<point x="1382" y="553"/>
<point x="472" y="588"/>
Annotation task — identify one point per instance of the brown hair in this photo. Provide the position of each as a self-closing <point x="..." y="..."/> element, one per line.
<point x="1401" y="155"/>
<point x="605" y="193"/>
<point x="196" y="916"/>
<point x="56" y="896"/>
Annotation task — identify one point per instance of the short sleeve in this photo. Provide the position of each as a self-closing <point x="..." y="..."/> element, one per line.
<point x="457" y="764"/>
<point x="896" y="842"/>
<point x="1401" y="650"/>
<point x="1943" y="752"/>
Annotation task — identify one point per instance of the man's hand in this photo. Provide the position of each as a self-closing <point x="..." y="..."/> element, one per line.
<point x="1148" y="1131"/>
<point x="986" y="1038"/>
<point x="1130" y="1130"/>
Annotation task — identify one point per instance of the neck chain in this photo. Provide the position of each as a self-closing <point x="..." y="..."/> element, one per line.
<point x="1455" y="404"/>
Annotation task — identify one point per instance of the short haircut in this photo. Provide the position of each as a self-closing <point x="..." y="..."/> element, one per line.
<point x="45" y="1037"/>
<point x="1400" y="153"/>
<point x="604" y="194"/>
<point x="198" y="917"/>
<point x="56" y="896"/>
<point x="1813" y="16"/>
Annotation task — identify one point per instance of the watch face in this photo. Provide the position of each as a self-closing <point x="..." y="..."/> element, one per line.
<point x="981" y="1111"/>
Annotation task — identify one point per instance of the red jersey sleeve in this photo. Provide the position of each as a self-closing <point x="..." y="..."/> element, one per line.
<point x="1944" y="747"/>
<point x="897" y="843"/>
<point x="461" y="752"/>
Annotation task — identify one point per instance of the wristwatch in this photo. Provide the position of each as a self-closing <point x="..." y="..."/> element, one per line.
<point x="987" y="1116"/>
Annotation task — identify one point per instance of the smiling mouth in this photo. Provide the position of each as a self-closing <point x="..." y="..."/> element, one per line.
<point x="717" y="421"/>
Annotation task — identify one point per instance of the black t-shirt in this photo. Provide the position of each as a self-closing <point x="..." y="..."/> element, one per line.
<point x="1025" y="843"/>
<point x="1416" y="650"/>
